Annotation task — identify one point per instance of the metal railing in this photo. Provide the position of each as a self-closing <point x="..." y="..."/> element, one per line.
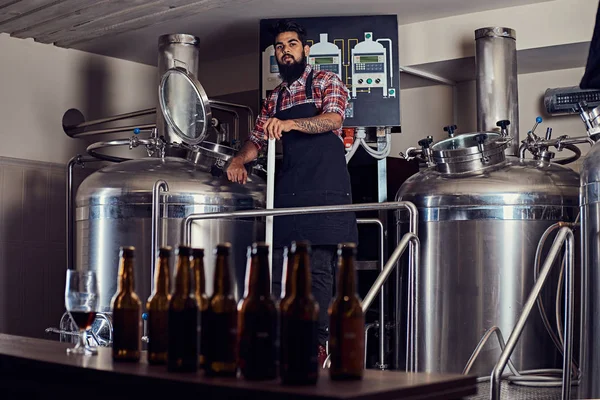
<point x="564" y="236"/>
<point x="410" y="240"/>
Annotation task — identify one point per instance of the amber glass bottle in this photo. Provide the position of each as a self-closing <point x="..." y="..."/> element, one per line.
<point x="257" y="319"/>
<point x="299" y="321"/>
<point x="158" y="310"/>
<point x="183" y="318"/>
<point x="201" y="298"/>
<point x="221" y="346"/>
<point x="126" y="311"/>
<point x="346" y="321"/>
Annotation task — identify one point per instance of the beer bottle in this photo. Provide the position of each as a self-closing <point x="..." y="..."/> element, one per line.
<point x="221" y="323"/>
<point x="126" y="311"/>
<point x="346" y="321"/>
<point x="158" y="310"/>
<point x="201" y="298"/>
<point x="183" y="318"/>
<point x="257" y="319"/>
<point x="299" y="321"/>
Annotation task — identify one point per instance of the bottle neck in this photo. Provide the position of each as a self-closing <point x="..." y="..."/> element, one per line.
<point x="161" y="280"/>
<point x="346" y="281"/>
<point x="301" y="284"/>
<point x="260" y="280"/>
<point x="198" y="268"/>
<point x="222" y="281"/>
<point x="182" y="276"/>
<point x="126" y="282"/>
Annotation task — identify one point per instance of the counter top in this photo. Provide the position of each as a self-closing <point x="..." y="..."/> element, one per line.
<point x="36" y="368"/>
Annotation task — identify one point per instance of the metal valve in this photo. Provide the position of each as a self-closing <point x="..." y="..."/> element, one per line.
<point x="503" y="127"/>
<point x="450" y="129"/>
<point x="424" y="143"/>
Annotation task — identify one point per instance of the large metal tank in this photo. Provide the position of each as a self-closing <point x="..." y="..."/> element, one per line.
<point x="589" y="386"/>
<point x="481" y="216"/>
<point x="114" y="208"/>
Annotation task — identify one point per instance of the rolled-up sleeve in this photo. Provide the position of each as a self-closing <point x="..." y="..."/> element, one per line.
<point x="335" y="97"/>
<point x="257" y="135"/>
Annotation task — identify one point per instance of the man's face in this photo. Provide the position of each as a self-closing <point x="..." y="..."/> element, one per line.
<point x="289" y="49"/>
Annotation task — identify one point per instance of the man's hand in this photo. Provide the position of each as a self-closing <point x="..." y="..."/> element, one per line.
<point x="236" y="172"/>
<point x="274" y="127"/>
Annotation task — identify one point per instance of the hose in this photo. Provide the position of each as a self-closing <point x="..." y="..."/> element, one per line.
<point x="535" y="377"/>
<point x="574" y="157"/>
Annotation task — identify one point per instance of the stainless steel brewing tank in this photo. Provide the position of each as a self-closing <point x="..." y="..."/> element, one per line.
<point x="589" y="386"/>
<point x="481" y="216"/>
<point x="114" y="208"/>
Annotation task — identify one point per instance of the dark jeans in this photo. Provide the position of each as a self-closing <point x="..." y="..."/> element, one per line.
<point x="323" y="265"/>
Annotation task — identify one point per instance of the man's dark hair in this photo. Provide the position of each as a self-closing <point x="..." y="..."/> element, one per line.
<point x="285" y="25"/>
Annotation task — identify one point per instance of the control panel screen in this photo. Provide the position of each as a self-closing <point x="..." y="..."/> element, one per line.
<point x="369" y="59"/>
<point x="324" y="60"/>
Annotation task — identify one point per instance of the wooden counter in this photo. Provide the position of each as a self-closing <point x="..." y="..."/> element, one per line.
<point x="35" y="368"/>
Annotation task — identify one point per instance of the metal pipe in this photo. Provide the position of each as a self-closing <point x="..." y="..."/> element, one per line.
<point x="129" y="128"/>
<point x="427" y="75"/>
<point x="382" y="293"/>
<point x="248" y="109"/>
<point x="564" y="141"/>
<point x="569" y="302"/>
<point x="496" y="83"/>
<point x="158" y="186"/>
<point x="392" y="205"/>
<point x="389" y="267"/>
<point x="77" y="160"/>
<point x="133" y="142"/>
<point x="236" y="119"/>
<point x="71" y="130"/>
<point x="367" y="328"/>
<point x="564" y="234"/>
<point x="522" y="150"/>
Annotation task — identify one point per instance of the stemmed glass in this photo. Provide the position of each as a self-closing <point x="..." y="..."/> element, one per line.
<point x="81" y="302"/>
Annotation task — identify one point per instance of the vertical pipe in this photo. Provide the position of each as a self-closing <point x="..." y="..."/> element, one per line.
<point x="569" y="295"/>
<point x="158" y="186"/>
<point x="179" y="50"/>
<point x="70" y="222"/>
<point x="270" y="202"/>
<point x="497" y="89"/>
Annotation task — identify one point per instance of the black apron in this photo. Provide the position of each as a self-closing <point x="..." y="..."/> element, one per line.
<point x="313" y="173"/>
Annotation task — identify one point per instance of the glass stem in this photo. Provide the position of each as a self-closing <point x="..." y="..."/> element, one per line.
<point x="82" y="339"/>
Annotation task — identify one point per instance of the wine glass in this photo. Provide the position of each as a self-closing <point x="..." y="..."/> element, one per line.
<point x="81" y="302"/>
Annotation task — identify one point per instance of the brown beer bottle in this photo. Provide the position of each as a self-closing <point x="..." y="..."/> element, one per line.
<point x="221" y="324"/>
<point x="346" y="321"/>
<point x="299" y="321"/>
<point x="126" y="311"/>
<point x="201" y="298"/>
<point x="158" y="310"/>
<point x="257" y="319"/>
<point x="183" y="318"/>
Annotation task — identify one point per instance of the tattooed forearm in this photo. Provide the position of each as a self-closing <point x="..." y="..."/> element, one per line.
<point x="247" y="153"/>
<point x="319" y="124"/>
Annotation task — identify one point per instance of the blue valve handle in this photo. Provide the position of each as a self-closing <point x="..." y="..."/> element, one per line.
<point x="137" y="131"/>
<point x="145" y="316"/>
<point x="538" y="120"/>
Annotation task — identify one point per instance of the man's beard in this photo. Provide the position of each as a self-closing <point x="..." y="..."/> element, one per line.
<point x="293" y="71"/>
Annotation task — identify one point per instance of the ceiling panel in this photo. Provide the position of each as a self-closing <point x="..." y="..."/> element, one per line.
<point x="129" y="29"/>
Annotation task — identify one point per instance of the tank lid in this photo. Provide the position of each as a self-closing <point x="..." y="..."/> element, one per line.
<point x="469" y="152"/>
<point x="495" y="32"/>
<point x="179" y="88"/>
<point x="180" y="38"/>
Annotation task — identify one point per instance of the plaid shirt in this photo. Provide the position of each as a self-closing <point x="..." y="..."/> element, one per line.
<point x="329" y="95"/>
